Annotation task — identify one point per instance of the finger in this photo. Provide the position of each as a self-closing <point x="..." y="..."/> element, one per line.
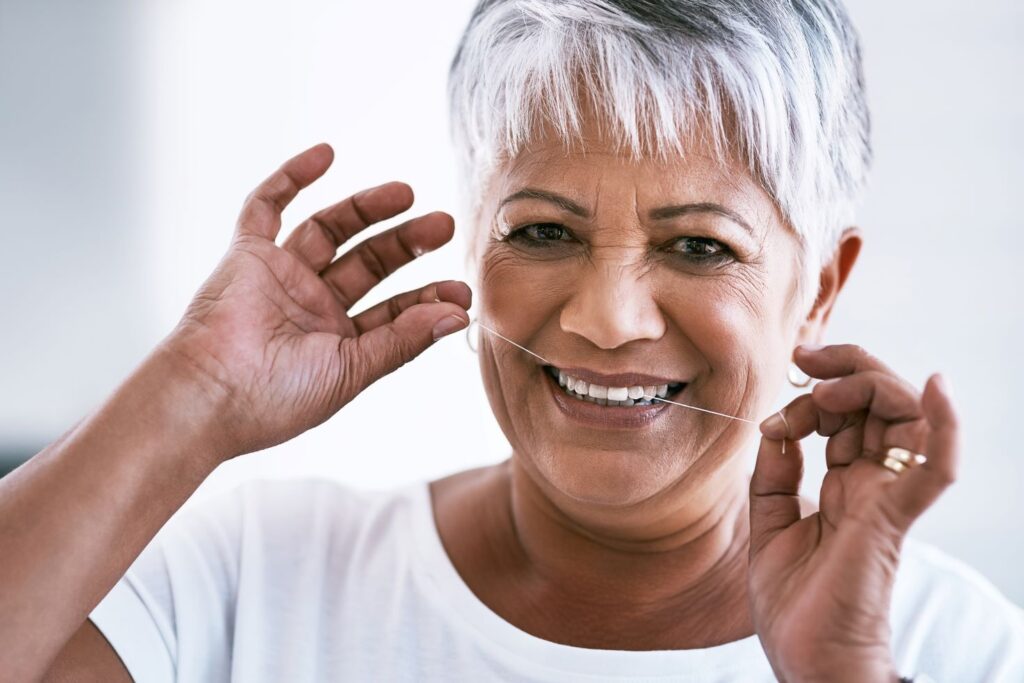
<point x="386" y="348"/>
<point x="774" y="491"/>
<point x="846" y="443"/>
<point x="862" y="414"/>
<point x="316" y="240"/>
<point x="802" y="417"/>
<point x="916" y="489"/>
<point x="261" y="212"/>
<point x="452" y="291"/>
<point x="888" y="407"/>
<point x="360" y="269"/>
<point x="880" y="393"/>
<point x="799" y="418"/>
<point x="836" y="360"/>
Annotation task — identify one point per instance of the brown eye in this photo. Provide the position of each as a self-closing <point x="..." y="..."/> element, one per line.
<point x="546" y="232"/>
<point x="700" y="247"/>
<point x="541" y="235"/>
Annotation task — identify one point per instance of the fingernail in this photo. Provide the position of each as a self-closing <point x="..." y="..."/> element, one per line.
<point x="829" y="382"/>
<point x="809" y="348"/>
<point x="447" y="325"/>
<point x="944" y="385"/>
<point x="773" y="427"/>
<point x="418" y="250"/>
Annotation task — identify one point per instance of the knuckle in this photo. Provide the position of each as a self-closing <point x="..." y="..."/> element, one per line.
<point x="409" y="252"/>
<point x="332" y="238"/>
<point x="353" y="377"/>
<point x="394" y="307"/>
<point x="856" y="355"/>
<point x="371" y="261"/>
<point x="283" y="183"/>
<point x="399" y="350"/>
<point x="360" y="212"/>
<point x="858" y="352"/>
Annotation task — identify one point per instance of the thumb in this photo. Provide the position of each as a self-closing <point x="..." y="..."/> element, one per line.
<point x="386" y="348"/>
<point x="774" y="491"/>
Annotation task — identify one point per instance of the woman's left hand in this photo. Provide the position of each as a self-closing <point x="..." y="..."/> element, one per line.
<point x="821" y="585"/>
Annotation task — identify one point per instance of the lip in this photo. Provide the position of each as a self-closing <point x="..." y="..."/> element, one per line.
<point x="622" y="379"/>
<point x="607" y="417"/>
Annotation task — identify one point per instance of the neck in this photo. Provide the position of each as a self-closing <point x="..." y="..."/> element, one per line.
<point x="668" y="573"/>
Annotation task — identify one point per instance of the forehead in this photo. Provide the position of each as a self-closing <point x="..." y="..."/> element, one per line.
<point x="605" y="183"/>
<point x="593" y="166"/>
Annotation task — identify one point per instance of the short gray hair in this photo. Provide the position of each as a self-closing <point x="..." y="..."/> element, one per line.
<point x="777" y="83"/>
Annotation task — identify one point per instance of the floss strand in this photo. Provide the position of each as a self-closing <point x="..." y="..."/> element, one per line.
<point x="652" y="398"/>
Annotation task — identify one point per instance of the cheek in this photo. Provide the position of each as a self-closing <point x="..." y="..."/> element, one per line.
<point x="742" y="328"/>
<point x="737" y="326"/>
<point x="520" y="299"/>
<point x="520" y="295"/>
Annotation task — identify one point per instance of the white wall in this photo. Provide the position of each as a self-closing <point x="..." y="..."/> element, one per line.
<point x="129" y="134"/>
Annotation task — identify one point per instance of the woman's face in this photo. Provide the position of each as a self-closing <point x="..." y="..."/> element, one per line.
<point x="622" y="274"/>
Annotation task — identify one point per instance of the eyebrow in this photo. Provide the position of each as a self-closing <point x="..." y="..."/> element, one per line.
<point x="667" y="212"/>
<point x="558" y="200"/>
<point x="659" y="214"/>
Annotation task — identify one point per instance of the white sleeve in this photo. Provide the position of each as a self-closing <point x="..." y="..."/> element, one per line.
<point x="171" y="616"/>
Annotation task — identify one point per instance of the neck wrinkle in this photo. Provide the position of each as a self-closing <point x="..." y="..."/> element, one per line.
<point x="703" y="554"/>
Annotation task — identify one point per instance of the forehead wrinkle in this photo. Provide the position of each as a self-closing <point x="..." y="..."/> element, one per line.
<point x="711" y="178"/>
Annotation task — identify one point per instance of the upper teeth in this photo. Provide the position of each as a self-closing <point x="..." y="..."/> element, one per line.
<point x="611" y="394"/>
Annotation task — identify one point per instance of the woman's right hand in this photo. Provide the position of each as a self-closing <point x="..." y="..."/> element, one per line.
<point x="269" y="334"/>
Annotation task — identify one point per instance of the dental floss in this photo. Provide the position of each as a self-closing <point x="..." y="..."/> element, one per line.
<point x="703" y="410"/>
<point x="652" y="398"/>
<point x="501" y="336"/>
<point x="785" y="422"/>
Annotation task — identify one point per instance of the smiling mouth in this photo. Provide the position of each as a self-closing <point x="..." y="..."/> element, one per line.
<point x="622" y="396"/>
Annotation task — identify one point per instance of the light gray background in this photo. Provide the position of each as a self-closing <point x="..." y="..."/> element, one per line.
<point x="130" y="132"/>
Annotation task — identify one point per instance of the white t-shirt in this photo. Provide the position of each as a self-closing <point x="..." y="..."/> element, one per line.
<point x="313" y="581"/>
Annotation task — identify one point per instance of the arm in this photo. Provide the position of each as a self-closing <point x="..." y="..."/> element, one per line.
<point x="265" y="351"/>
<point x="87" y="658"/>
<point x="74" y="517"/>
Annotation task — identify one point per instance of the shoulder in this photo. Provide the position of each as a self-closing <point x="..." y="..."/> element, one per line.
<point x="951" y="623"/>
<point x="287" y="511"/>
<point x="280" y="525"/>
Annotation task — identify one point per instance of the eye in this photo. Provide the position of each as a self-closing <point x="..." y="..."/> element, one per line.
<point x="539" y="233"/>
<point x="700" y="248"/>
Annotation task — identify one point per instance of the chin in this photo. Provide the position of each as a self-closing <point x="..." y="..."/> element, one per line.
<point x="607" y="477"/>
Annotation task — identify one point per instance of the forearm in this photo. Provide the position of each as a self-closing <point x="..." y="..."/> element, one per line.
<point x="76" y="515"/>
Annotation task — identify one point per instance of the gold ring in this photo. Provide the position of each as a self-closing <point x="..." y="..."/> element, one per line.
<point x="899" y="460"/>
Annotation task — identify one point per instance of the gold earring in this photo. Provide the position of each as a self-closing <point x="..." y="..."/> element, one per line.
<point x="797" y="377"/>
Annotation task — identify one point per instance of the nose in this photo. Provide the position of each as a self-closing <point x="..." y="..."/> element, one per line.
<point x="613" y="305"/>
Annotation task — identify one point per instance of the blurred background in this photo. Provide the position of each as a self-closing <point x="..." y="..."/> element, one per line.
<point x="131" y="131"/>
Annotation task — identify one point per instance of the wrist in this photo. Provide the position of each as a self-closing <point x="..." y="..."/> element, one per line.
<point x="187" y="405"/>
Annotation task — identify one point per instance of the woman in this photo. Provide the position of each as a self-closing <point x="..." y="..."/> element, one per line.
<point x="661" y="199"/>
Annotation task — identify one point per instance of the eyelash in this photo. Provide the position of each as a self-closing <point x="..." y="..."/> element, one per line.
<point x="523" y="235"/>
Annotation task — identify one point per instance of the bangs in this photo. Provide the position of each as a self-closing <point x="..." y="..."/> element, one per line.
<point x="774" y="86"/>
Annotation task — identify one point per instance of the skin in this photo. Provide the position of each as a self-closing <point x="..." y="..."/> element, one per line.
<point x="652" y="520"/>
<point x="656" y="537"/>
<point x="641" y="538"/>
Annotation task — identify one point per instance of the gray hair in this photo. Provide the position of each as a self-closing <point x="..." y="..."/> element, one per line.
<point x="776" y="83"/>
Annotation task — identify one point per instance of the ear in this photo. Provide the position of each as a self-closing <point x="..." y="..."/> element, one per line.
<point x="833" y="277"/>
